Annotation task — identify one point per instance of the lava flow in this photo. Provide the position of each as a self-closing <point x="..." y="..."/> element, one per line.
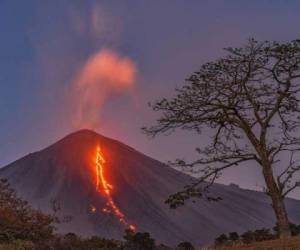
<point x="102" y="184"/>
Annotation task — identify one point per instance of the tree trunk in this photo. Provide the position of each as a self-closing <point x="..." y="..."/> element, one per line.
<point x="277" y="203"/>
<point x="281" y="216"/>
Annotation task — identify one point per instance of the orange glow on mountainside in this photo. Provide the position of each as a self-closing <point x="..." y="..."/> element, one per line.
<point x="103" y="186"/>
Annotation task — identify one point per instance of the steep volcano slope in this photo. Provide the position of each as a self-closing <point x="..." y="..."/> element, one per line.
<point x="65" y="172"/>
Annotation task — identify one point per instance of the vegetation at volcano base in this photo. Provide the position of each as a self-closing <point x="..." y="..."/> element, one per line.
<point x="24" y="228"/>
<point x="252" y="236"/>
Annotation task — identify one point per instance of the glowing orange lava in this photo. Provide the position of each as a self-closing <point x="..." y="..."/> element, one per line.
<point x="93" y="209"/>
<point x="102" y="184"/>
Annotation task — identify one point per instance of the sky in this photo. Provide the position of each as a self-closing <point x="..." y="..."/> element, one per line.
<point x="49" y="48"/>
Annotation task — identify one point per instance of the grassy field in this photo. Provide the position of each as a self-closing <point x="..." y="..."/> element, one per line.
<point x="291" y="244"/>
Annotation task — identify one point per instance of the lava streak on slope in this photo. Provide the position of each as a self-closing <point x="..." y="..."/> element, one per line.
<point x="103" y="185"/>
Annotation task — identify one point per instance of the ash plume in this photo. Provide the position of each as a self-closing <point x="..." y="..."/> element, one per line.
<point x="104" y="74"/>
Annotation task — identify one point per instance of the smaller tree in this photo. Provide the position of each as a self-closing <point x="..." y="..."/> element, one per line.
<point x="96" y="242"/>
<point x="234" y="236"/>
<point x="69" y="241"/>
<point x="138" y="241"/>
<point x="221" y="240"/>
<point x="186" y="246"/>
<point x="257" y="235"/>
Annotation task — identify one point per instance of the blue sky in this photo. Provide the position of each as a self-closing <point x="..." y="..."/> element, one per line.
<point x="44" y="43"/>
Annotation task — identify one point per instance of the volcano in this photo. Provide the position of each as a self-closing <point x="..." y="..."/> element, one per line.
<point x="130" y="193"/>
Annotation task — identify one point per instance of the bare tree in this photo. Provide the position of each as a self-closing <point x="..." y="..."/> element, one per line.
<point x="249" y="101"/>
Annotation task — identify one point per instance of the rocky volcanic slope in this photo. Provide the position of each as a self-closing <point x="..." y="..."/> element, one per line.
<point x="65" y="172"/>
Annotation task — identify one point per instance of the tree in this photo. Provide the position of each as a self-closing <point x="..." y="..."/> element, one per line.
<point x="185" y="245"/>
<point x="221" y="240"/>
<point x="138" y="241"/>
<point x="18" y="221"/>
<point x="234" y="236"/>
<point x="249" y="101"/>
<point x="96" y="242"/>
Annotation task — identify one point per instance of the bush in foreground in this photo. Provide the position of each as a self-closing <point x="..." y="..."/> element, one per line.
<point x="185" y="246"/>
<point x="138" y="241"/>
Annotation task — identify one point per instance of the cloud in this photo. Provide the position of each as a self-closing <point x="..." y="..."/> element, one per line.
<point x="104" y="74"/>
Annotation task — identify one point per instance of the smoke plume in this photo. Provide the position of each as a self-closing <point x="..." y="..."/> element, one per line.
<point x="104" y="74"/>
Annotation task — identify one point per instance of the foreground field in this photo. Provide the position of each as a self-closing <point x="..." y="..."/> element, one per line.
<point x="291" y="244"/>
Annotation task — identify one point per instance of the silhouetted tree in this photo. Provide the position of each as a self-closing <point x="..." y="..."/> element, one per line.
<point x="138" y="241"/>
<point x="101" y="243"/>
<point x="249" y="101"/>
<point x="221" y="240"/>
<point x="19" y="221"/>
<point x="70" y="241"/>
<point x="233" y="236"/>
<point x="186" y="246"/>
<point x="257" y="235"/>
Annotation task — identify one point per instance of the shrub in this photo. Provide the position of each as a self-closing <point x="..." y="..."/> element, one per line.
<point x="234" y="236"/>
<point x="247" y="237"/>
<point x="70" y="241"/>
<point x="221" y="240"/>
<point x="101" y="243"/>
<point x="186" y="246"/>
<point x="138" y="241"/>
<point x="257" y="235"/>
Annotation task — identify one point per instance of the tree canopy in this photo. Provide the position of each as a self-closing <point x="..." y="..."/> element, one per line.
<point x="249" y="101"/>
<point x="19" y="221"/>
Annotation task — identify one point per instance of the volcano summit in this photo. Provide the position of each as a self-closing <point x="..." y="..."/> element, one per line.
<point x="106" y="186"/>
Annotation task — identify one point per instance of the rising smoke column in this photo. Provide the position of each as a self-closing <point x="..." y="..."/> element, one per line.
<point x="104" y="74"/>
